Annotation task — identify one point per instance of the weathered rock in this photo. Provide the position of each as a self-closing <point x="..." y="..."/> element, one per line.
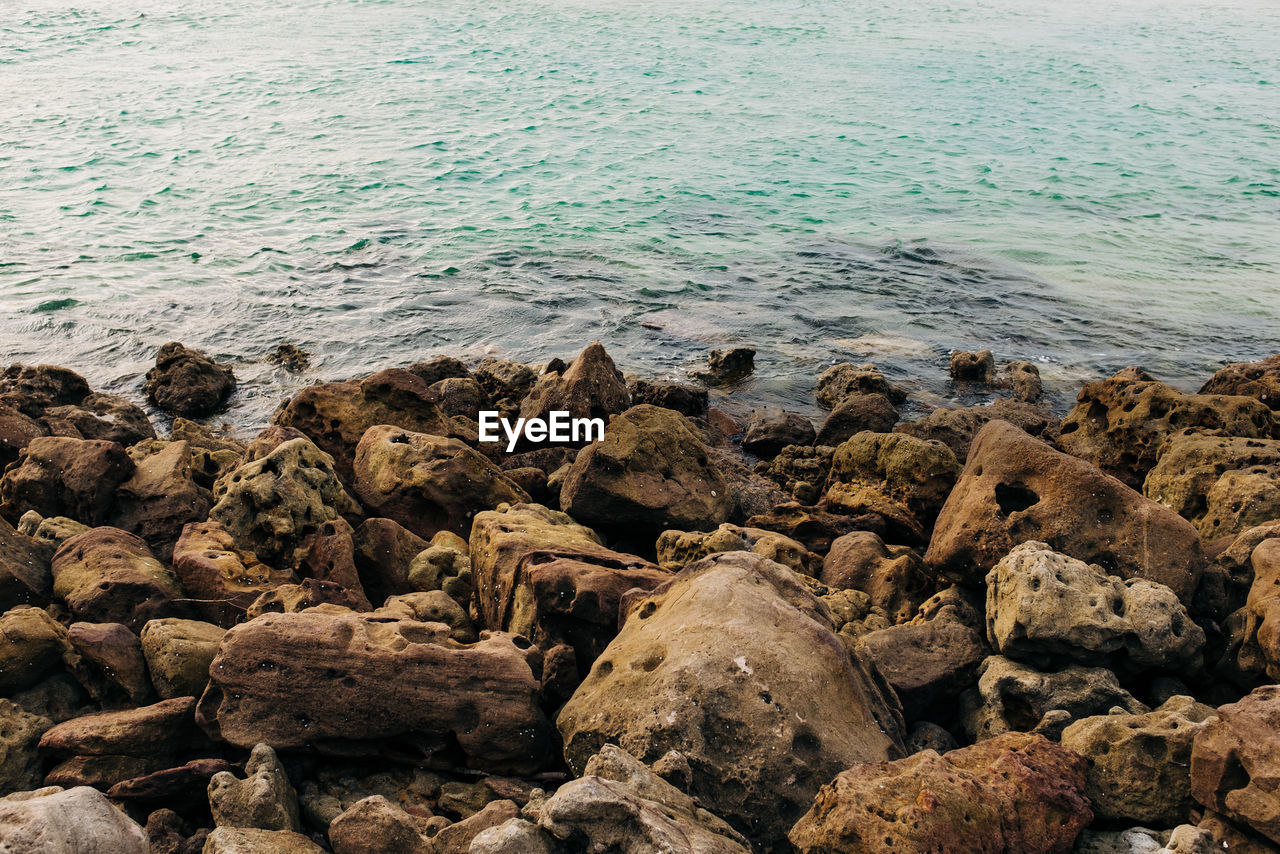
<point x="735" y="665"/>
<point x="104" y="748"/>
<point x="161" y="497"/>
<point x="1259" y="649"/>
<point x="60" y="476"/>
<point x="345" y="682"/>
<point x="59" y="698"/>
<point x="24" y="569"/>
<point x="75" y="821"/>
<point x="264" y="799"/>
<point x="1119" y="424"/>
<point x="249" y="840"/>
<point x="929" y="736"/>
<point x="336" y="415"/>
<point x="439" y="368"/>
<point x="728" y="366"/>
<point x="1230" y="837"/>
<point x="331" y="558"/>
<point x="187" y="382"/>
<point x="178" y="655"/>
<point x="1015" y="488"/>
<point x="272" y="505"/>
<point x="893" y="576"/>
<point x="51" y="532"/>
<point x="457" y="837"/>
<point x="771" y="430"/>
<point x="1221" y="484"/>
<point x="812" y="527"/>
<point x="873" y="412"/>
<point x="443" y="566"/>
<point x="979" y="367"/>
<point x="1023" y="379"/>
<point x="107" y="660"/>
<point x="459" y="396"/>
<point x="956" y="428"/>
<point x="1139" y="764"/>
<point x="16" y="432"/>
<point x="32" y="389"/>
<point x="31" y="647"/>
<point x="1047" y="608"/>
<point x="677" y="549"/>
<point x="222" y="580"/>
<point x="686" y="399"/>
<point x="104" y="416"/>
<point x="377" y="826"/>
<point x="1011" y="793"/>
<point x="844" y="380"/>
<point x="309" y="593"/>
<point x="205" y="436"/>
<point x="385" y="550"/>
<point x="801" y="471"/>
<point x="291" y="357"/>
<point x="106" y="575"/>
<point x="434" y="606"/>
<point x="592" y="387"/>
<point x="182" y="785"/>
<point x="334" y="788"/>
<point x="1013" y="697"/>
<point x="928" y="663"/>
<point x="651" y="471"/>
<point x="1234" y="762"/>
<point x="20" y="731"/>
<point x="505" y="382"/>
<point x="1259" y="380"/>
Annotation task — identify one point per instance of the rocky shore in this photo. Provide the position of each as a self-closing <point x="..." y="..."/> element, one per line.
<point x="365" y="631"/>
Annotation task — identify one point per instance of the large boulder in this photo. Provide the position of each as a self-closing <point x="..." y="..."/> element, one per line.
<point x="1235" y="762"/>
<point x="222" y="579"/>
<point x="1011" y="793"/>
<point x="25" y="578"/>
<point x="1260" y="380"/>
<point x="187" y="382"/>
<point x="650" y="472"/>
<point x="253" y="840"/>
<point x="734" y="665"/>
<point x="31" y="647"/>
<point x="107" y="575"/>
<point x="928" y="662"/>
<point x="428" y="483"/>
<point x="101" y="416"/>
<point x="1119" y="424"/>
<point x="161" y="497"/>
<point x="272" y="505"/>
<point x="106" y="748"/>
<point x="1015" y="488"/>
<point x="893" y="576"/>
<point x="956" y="428"/>
<point x="106" y="658"/>
<point x="845" y="380"/>
<point x="1221" y="484"/>
<point x="60" y="476"/>
<point x="339" y="681"/>
<point x="592" y="387"/>
<point x="74" y="821"/>
<point x="20" y="764"/>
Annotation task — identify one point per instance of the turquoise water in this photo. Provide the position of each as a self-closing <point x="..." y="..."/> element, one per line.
<point x="1086" y="185"/>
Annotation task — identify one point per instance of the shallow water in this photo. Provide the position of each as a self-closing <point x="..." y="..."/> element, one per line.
<point x="1086" y="185"/>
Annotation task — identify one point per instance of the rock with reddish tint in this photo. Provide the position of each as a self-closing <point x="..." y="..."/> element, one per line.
<point x="252" y="840"/>
<point x="735" y="665"/>
<point x="178" y="654"/>
<point x="1119" y="424"/>
<point x="1260" y="380"/>
<point x="840" y="382"/>
<point x="1258" y="652"/>
<point x="1021" y="378"/>
<point x="106" y="575"/>
<point x="331" y="558"/>
<point x="350" y="684"/>
<point x="1235" y="761"/>
<point x="385" y="549"/>
<point x="1015" y="488"/>
<point x="893" y="576"/>
<point x="183" y="785"/>
<point x="800" y="471"/>
<point x="32" y="389"/>
<point x="1011" y="793"/>
<point x="853" y="415"/>
<point x="102" y="416"/>
<point x="161" y="497"/>
<point x="60" y="476"/>
<point x="592" y="387"/>
<point x="813" y="527"/>
<point x="428" y="483"/>
<point x="25" y="578"/>
<point x="771" y="430"/>
<point x="221" y="579"/>
<point x="16" y="432"/>
<point x="103" y="749"/>
<point x="187" y="382"/>
<point x="377" y="826"/>
<point x="1222" y="484"/>
<point x="956" y="427"/>
<point x="106" y="658"/>
<point x="728" y="366"/>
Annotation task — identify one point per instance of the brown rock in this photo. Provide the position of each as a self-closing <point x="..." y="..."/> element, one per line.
<point x="688" y="400"/>
<point x="178" y="654"/>
<point x="728" y="366"/>
<point x="1259" y="651"/>
<point x="771" y="430"/>
<point x="928" y="663"/>
<point x="103" y="749"/>
<point x="252" y="840"/>
<point x="592" y="387"/>
<point x="845" y="380"/>
<point x="110" y="576"/>
<point x="187" y="382"/>
<point x="59" y="476"/>
<point x="20" y="734"/>
<point x="16" y="432"/>
<point x="31" y="647"/>
<point x="813" y="527"/>
<point x="264" y="798"/>
<point x="32" y="389"/>
<point x="24" y="569"/>
<point x="893" y="576"/>
<point x="161" y="497"/>
<point x="331" y="557"/>
<point x="956" y="428"/>
<point x="677" y="549"/>
<point x="873" y="412"/>
<point x="800" y="471"/>
<point x="182" y="783"/>
<point x="309" y="593"/>
<point x="385" y="549"/>
<point x="1234" y="762"/>
<point x="107" y="660"/>
<point x="222" y="580"/>
<point x="1260" y="380"/>
<point x="456" y="838"/>
<point x="1023" y="379"/>
<point x="377" y="826"/>
<point x="979" y="367"/>
<point x="1205" y="479"/>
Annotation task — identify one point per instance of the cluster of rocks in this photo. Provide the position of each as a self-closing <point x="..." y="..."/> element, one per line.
<point x="364" y="630"/>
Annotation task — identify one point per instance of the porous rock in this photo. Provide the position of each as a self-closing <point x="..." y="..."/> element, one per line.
<point x="1235" y="761"/>
<point x="1259" y="380"/>
<point x="105" y="748"/>
<point x="592" y="387"/>
<point x="187" y="382"/>
<point x="161" y="497"/>
<point x="107" y="660"/>
<point x="107" y="575"/>
<point x="61" y="476"/>
<point x="250" y="840"/>
<point x="20" y="764"/>
<point x="264" y="798"/>
<point x="1222" y="484"/>
<point x="178" y="654"/>
<point x="979" y="367"/>
<point x="677" y="549"/>
<point x="842" y="381"/>
<point x="956" y="427"/>
<point x="222" y="579"/>
<point x="377" y="826"/>
<point x="893" y="576"/>
<point x="928" y="663"/>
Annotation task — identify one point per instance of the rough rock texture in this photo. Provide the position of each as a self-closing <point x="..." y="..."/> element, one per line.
<point x="377" y="826"/>
<point x="840" y="382"/>
<point x="812" y="527"/>
<point x="1139" y="764"/>
<point x="1119" y="424"/>
<point x="248" y="840"/>
<point x="771" y="430"/>
<point x="677" y="549"/>
<point x="331" y="559"/>
<point x="592" y="387"/>
<point x="428" y="483"/>
<point x="178" y="654"/>
<point x="956" y="428"/>
<point x="800" y="471"/>
<point x="444" y="566"/>
<point x="264" y="799"/>
<point x="1023" y="379"/>
<point x="1013" y="697"/>
<point x="1260" y="380"/>
<point x="20" y="731"/>
<point x="728" y="366"/>
<point x="979" y="367"/>
<point x="1014" y="793"/>
<point x="187" y="382"/>
<point x="1259" y="649"/>
<point x="60" y="476"/>
<point x="385" y="550"/>
<point x="873" y="412"/>
<point x="222" y="580"/>
<point x="1235" y="761"/>
<point x="506" y="383"/>
<point x="75" y="821"/>
<point x="273" y="504"/>
<point x="35" y="388"/>
<point x="1221" y="484"/>
<point x="336" y="415"/>
<point x="105" y="748"/>
<point x="651" y="471"/>
<point x="685" y="399"/>
<point x="31" y="647"/>
<point x="734" y="664"/>
<point x="434" y="606"/>
<point x="102" y="416"/>
<point x="25" y="578"/>
<point x="161" y="497"/>
<point x="334" y="788"/>
<point x="106" y="658"/>
<point x="893" y="576"/>
<point x="346" y="682"/>
<point x="1015" y="488"/>
<point x="106" y="575"/>
<point x="1046" y="608"/>
<point x="928" y="663"/>
<point x="457" y="837"/>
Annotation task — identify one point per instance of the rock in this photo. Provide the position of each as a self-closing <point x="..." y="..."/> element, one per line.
<point x="1206" y="480"/>
<point x="929" y="736"/>
<point x="24" y="569"/>
<point x="52" y="532"/>
<point x="979" y="367"/>
<point x="32" y="389"/>
<point x="956" y="427"/>
<point x="901" y="478"/>
<point x="840" y="382"/>
<point x="161" y="497"/>
<point x="439" y="368"/>
<point x="376" y="826"/>
<point x="385" y="550"/>
<point x="592" y="387"/>
<point x="676" y="549"/>
<point x="104" y="416"/>
<point x="331" y="558"/>
<point x="1139" y="764"/>
<point x="345" y="682"/>
<point x="1047" y="608"/>
<point x="801" y="471"/>
<point x="771" y="430"/>
<point x="928" y="663"/>
<point x="202" y="436"/>
<point x="1015" y="488"/>
<point x="75" y="821"/>
<point x="688" y="400"/>
<point x="336" y="415"/>
<point x="434" y="606"/>
<point x="812" y="527"/>
<point x="59" y="476"/>
<point x="1013" y="697"/>
<point x="428" y="483"/>
<point x="31" y="648"/>
<point x="457" y="837"/>
<point x="505" y="382"/>
<point x="334" y="788"/>
<point x="651" y="471"/>
<point x="1013" y="792"/>
<point x="893" y="576"/>
<point x="1135" y="840"/>
<point x="1259" y="648"/>
<point x="1259" y="380"/>
<point x="1229" y="837"/>
<point x="264" y="799"/>
<point x="187" y="382"/>
<point x="222" y="580"/>
<point x="106" y="575"/>
<point x="178" y="655"/>
<point x="459" y="396"/>
<point x="19" y="737"/>
<point x="16" y="432"/>
<point x="734" y="664"/>
<point x="445" y="568"/>
<point x="291" y="357"/>
<point x="272" y="505"/>
<point x="58" y="698"/>
<point x="1119" y="424"/>
<point x="1234" y="762"/>
<point x="107" y="660"/>
<point x="184" y="785"/>
<point x="310" y="593"/>
<point x="1023" y="379"/>
<point x="871" y="412"/>
<point x="728" y="366"/>
<point x="104" y="748"/>
<point x="247" y="840"/>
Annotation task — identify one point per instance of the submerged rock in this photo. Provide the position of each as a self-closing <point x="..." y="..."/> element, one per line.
<point x="728" y="366"/>
<point x="840" y="382"/>
<point x="187" y="382"/>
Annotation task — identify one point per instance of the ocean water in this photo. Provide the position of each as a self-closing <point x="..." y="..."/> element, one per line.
<point x="1086" y="185"/>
